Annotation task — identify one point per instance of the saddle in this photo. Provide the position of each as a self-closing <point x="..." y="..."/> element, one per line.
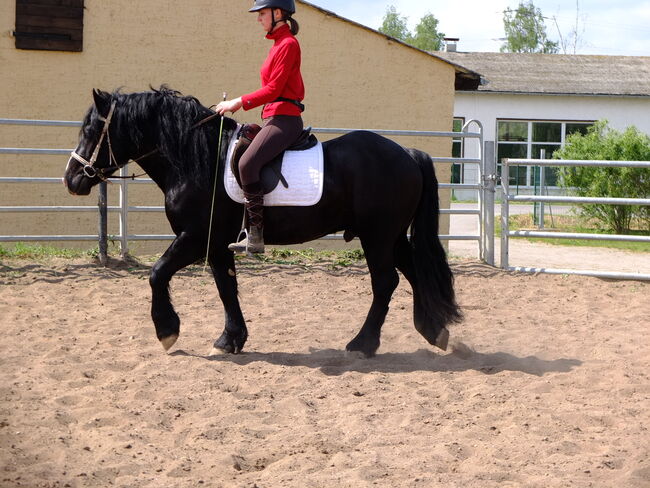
<point x="271" y="173"/>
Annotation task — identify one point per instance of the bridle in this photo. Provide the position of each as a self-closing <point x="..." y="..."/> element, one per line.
<point x="89" y="164"/>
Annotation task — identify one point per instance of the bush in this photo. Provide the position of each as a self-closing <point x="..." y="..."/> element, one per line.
<point x="603" y="143"/>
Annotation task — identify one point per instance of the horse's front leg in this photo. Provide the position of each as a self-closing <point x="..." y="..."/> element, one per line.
<point x="185" y="250"/>
<point x="234" y="335"/>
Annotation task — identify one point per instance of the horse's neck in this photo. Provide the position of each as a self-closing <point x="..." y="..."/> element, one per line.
<point x="157" y="168"/>
<point x="156" y="165"/>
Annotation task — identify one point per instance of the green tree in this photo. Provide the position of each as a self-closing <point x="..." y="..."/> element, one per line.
<point x="525" y="31"/>
<point x="603" y="143"/>
<point x="426" y="36"/>
<point x="394" y="25"/>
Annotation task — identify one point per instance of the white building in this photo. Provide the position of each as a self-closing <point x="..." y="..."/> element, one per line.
<point x="530" y="102"/>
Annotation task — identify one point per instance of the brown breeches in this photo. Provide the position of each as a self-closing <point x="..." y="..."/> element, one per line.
<point x="278" y="132"/>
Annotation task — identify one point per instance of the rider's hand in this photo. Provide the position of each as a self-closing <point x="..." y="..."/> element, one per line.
<point x="228" y="106"/>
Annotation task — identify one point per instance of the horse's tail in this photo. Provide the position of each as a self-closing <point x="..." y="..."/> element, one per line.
<point x="434" y="299"/>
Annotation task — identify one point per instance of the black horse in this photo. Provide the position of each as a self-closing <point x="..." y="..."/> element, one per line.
<point x="374" y="189"/>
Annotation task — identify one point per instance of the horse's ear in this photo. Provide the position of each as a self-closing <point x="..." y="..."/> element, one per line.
<point x="102" y="100"/>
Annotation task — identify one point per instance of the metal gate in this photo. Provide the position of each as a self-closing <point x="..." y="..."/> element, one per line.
<point x="506" y="233"/>
<point x="484" y="213"/>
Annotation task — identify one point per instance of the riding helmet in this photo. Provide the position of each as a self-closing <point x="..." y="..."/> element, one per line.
<point x="286" y="5"/>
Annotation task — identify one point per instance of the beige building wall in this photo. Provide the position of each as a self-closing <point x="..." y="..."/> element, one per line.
<point x="354" y="77"/>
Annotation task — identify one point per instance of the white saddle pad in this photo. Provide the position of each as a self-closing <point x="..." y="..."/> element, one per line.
<point x="303" y="171"/>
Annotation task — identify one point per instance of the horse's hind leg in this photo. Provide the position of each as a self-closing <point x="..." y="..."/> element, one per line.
<point x="405" y="264"/>
<point x="182" y="252"/>
<point x="384" y="280"/>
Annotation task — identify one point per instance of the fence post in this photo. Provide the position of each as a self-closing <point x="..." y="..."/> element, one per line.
<point x="539" y="207"/>
<point x="489" y="183"/>
<point x="103" y="223"/>
<point x="124" y="213"/>
<point x="505" y="212"/>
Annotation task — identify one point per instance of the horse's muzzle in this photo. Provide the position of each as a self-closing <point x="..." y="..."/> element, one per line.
<point x="77" y="184"/>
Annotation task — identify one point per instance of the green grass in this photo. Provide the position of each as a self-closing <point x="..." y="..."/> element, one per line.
<point x="308" y="257"/>
<point x="21" y="250"/>
<point x="574" y="224"/>
<point x="303" y="257"/>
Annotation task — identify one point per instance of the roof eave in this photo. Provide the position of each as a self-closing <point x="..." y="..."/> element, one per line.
<point x="565" y="94"/>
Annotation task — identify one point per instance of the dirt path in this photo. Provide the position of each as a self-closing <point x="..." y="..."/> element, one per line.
<point x="546" y="385"/>
<point x="541" y="255"/>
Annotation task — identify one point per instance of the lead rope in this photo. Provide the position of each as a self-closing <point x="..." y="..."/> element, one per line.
<point x="214" y="190"/>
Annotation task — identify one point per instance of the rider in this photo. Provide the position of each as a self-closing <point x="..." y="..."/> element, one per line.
<point x="281" y="93"/>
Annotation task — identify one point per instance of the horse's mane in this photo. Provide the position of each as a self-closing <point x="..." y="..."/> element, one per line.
<point x="168" y="118"/>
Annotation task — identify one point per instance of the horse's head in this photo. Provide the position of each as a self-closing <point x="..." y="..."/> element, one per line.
<point x="95" y="158"/>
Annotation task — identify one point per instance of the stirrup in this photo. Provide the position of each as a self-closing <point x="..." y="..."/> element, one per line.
<point x="252" y="243"/>
<point x="241" y="243"/>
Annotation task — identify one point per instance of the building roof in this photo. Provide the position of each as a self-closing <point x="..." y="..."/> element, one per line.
<point x="558" y="74"/>
<point x="466" y="78"/>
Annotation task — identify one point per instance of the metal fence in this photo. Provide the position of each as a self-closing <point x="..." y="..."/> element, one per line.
<point x="485" y="193"/>
<point x="506" y="233"/>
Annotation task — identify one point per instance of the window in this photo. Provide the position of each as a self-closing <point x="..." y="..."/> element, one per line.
<point x="50" y="25"/>
<point x="527" y="139"/>
<point x="457" y="169"/>
<point x="572" y="128"/>
<point x="513" y="131"/>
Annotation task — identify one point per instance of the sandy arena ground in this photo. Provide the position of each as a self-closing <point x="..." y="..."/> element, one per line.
<point x="546" y="385"/>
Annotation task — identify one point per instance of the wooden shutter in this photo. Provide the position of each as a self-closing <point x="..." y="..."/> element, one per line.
<point x="51" y="25"/>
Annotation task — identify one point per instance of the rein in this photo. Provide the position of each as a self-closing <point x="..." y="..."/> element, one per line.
<point x="206" y="120"/>
<point x="89" y="164"/>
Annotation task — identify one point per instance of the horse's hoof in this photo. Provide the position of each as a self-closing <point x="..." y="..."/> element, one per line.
<point x="442" y="340"/>
<point x="356" y="355"/>
<point x="169" y="341"/>
<point x="217" y="352"/>
<point x="362" y="346"/>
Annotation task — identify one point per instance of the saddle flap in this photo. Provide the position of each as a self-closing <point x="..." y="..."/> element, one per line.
<point x="271" y="173"/>
<point x="305" y="171"/>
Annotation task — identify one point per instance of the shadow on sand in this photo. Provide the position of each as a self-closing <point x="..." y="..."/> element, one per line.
<point x="334" y="362"/>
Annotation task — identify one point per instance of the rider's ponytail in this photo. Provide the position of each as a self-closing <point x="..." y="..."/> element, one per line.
<point x="294" y="26"/>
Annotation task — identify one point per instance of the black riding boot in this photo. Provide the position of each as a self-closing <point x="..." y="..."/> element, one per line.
<point x="253" y="243"/>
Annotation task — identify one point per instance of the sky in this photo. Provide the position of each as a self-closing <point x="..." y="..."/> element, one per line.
<point x="610" y="27"/>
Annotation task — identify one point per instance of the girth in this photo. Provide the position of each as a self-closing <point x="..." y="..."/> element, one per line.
<point x="271" y="173"/>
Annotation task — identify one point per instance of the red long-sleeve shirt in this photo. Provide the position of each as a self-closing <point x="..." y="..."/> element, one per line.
<point x="280" y="76"/>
